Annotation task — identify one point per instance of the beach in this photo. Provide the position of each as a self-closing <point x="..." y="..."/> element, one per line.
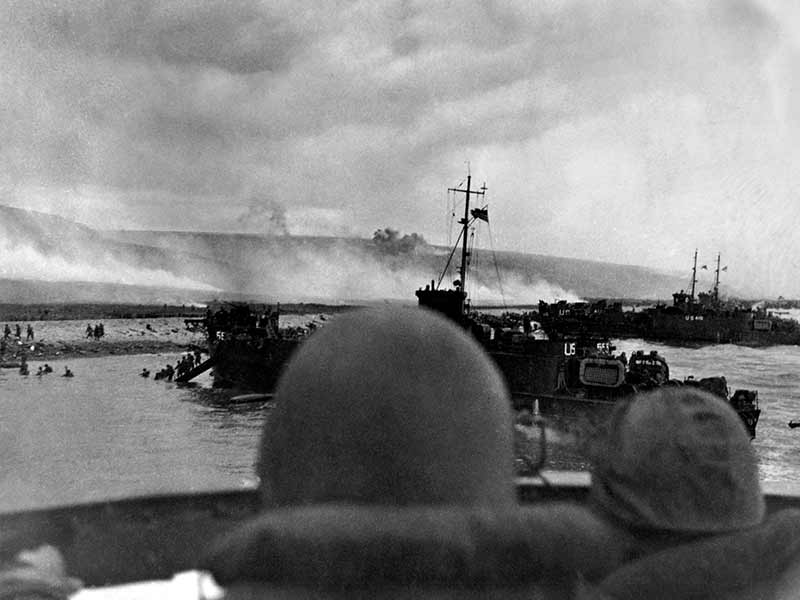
<point x="56" y="339"/>
<point x="64" y="339"/>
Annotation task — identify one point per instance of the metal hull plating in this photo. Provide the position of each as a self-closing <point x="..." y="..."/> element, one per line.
<point x="251" y="364"/>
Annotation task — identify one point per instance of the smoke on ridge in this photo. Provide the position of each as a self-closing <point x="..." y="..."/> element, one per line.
<point x="389" y="267"/>
<point x="25" y="262"/>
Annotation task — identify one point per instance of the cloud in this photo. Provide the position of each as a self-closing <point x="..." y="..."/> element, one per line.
<point x="629" y="132"/>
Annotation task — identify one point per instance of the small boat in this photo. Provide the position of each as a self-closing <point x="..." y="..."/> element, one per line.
<point x="245" y="398"/>
<point x="794" y="424"/>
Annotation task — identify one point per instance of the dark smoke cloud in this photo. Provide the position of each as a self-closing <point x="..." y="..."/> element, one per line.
<point x="389" y="241"/>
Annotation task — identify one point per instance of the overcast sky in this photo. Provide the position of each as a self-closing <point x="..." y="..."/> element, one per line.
<point x="630" y="132"/>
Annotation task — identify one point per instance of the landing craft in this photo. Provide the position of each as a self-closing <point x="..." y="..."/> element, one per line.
<point x="574" y="375"/>
<point x="692" y="318"/>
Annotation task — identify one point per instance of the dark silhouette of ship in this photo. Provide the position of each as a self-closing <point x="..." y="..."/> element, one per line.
<point x="573" y="376"/>
<point x="701" y="318"/>
<point x="248" y="349"/>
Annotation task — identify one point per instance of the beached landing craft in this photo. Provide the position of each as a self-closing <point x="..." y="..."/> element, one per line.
<point x="572" y="377"/>
<point x="248" y="349"/>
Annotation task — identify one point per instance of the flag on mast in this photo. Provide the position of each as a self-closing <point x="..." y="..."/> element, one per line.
<point x="481" y="213"/>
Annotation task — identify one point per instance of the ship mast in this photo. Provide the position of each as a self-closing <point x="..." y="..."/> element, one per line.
<point x="694" y="273"/>
<point x="716" y="281"/>
<point x="465" y="226"/>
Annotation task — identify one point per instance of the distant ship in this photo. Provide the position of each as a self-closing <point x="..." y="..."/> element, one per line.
<point x="691" y="319"/>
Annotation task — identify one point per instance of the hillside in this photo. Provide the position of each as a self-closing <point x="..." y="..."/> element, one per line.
<point x="45" y="258"/>
<point x="349" y="268"/>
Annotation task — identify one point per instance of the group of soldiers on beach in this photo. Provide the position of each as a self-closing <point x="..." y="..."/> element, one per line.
<point x="18" y="332"/>
<point x="17" y="335"/>
<point x="95" y="332"/>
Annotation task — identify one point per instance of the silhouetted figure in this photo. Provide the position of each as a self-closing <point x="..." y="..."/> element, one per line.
<point x="29" y="335"/>
<point x="48" y="368"/>
<point x="19" y="331"/>
<point x="89" y="330"/>
<point x="67" y="372"/>
<point x="6" y="331"/>
<point x="145" y="373"/>
<point x="676" y="478"/>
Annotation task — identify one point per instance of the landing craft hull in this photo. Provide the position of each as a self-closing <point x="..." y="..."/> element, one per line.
<point x="251" y="364"/>
<point x="715" y="329"/>
<point x="534" y="371"/>
<point x="720" y="330"/>
<point x="155" y="537"/>
<point x="543" y="376"/>
<point x="530" y="367"/>
<point x="670" y="325"/>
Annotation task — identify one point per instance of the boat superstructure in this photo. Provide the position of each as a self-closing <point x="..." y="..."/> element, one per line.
<point x="573" y="376"/>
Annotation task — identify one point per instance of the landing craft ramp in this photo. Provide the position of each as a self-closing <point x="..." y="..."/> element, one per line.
<point x="201" y="368"/>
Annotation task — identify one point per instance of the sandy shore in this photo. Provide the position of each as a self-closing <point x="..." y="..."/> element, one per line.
<point x="67" y="338"/>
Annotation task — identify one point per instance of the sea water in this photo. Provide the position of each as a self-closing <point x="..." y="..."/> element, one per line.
<point x="107" y="432"/>
<point x="110" y="433"/>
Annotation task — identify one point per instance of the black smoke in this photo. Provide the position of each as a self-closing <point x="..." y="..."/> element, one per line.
<point x="388" y="241"/>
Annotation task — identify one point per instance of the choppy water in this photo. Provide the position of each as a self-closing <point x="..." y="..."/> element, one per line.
<point x="110" y="433"/>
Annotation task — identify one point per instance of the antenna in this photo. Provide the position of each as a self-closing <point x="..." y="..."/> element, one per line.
<point x="465" y="226"/>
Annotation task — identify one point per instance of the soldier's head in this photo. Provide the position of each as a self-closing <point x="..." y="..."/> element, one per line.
<point x="392" y="406"/>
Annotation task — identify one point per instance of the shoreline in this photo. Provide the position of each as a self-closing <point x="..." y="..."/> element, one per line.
<point x="69" y="351"/>
<point x="85" y="311"/>
<point x="67" y="339"/>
